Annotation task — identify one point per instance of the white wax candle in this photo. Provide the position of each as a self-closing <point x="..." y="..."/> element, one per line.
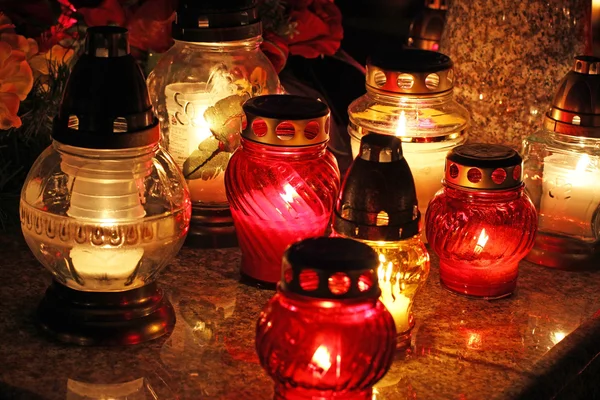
<point x="108" y="265"/>
<point x="570" y="195"/>
<point x="186" y="104"/>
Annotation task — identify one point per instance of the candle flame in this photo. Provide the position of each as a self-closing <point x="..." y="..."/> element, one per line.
<point x="401" y="128"/>
<point x="481" y="242"/>
<point x="289" y="193"/>
<point x="557" y="336"/>
<point x="322" y="359"/>
<point x="201" y="127"/>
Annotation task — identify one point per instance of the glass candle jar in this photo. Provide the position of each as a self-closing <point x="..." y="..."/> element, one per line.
<point x="409" y="95"/>
<point x="104" y="208"/>
<point x="198" y="88"/>
<point x="282" y="183"/>
<point x="325" y="334"/>
<point x="378" y="206"/>
<point x="482" y="223"/>
<point x="562" y="171"/>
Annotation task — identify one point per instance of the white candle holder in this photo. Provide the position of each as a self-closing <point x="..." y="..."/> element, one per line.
<point x="409" y="95"/>
<point x="562" y="171"/>
<point x="198" y="88"/>
<point x="104" y="208"/>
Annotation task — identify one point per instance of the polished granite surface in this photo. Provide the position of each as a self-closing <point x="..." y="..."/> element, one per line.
<point x="539" y="342"/>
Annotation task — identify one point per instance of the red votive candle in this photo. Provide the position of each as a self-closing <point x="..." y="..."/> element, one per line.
<point x="282" y="182"/>
<point x="481" y="224"/>
<point x="325" y="334"/>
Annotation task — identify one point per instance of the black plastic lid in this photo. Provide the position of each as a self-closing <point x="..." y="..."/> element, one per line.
<point x="410" y="60"/>
<point x="331" y="268"/>
<point x="290" y="107"/>
<point x="378" y="199"/>
<point x="485" y="155"/>
<point x="106" y="103"/>
<point x="483" y="166"/>
<point x="216" y="20"/>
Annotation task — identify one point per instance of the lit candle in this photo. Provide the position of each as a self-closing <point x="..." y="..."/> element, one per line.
<point x="105" y="194"/>
<point x="192" y="143"/>
<point x="570" y="195"/>
<point x="105" y="267"/>
<point x="392" y="295"/>
<point x="425" y="159"/>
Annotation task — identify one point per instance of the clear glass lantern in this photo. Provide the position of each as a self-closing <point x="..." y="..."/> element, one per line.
<point x="378" y="206"/>
<point x="325" y="334"/>
<point x="409" y="95"/>
<point x="482" y="223"/>
<point x="282" y="182"/>
<point x="562" y="171"/>
<point x="198" y="88"/>
<point x="104" y="208"/>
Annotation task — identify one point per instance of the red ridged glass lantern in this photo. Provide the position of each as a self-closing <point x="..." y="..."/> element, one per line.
<point x="282" y="182"/>
<point x="481" y="224"/>
<point x="325" y="334"/>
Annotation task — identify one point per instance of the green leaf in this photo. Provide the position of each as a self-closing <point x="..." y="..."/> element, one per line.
<point x="206" y="162"/>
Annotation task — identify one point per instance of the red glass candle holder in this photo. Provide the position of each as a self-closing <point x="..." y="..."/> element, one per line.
<point x="325" y="334"/>
<point x="282" y="182"/>
<point x="481" y="224"/>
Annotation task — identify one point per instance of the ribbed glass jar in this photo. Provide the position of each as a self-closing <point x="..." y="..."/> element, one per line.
<point x="282" y="182"/>
<point x="481" y="224"/>
<point x="325" y="334"/>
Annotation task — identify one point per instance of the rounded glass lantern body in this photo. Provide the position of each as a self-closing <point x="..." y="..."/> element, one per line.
<point x="104" y="220"/>
<point x="197" y="90"/>
<point x="561" y="174"/>
<point x="429" y="127"/>
<point x="325" y="334"/>
<point x="278" y="195"/>
<point x="480" y="237"/>
<point x="324" y="349"/>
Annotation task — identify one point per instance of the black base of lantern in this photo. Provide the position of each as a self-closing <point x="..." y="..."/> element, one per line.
<point x="563" y="253"/>
<point x="211" y="227"/>
<point x="106" y="318"/>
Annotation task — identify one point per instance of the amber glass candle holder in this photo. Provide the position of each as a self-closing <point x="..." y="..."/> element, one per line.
<point x="482" y="223"/>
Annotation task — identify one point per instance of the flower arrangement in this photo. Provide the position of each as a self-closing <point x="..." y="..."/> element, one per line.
<point x="40" y="40"/>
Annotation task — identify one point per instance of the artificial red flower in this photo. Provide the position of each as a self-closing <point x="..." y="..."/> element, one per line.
<point x="148" y="22"/>
<point x="318" y="28"/>
<point x="149" y="25"/>
<point x="109" y="12"/>
<point x="276" y="49"/>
